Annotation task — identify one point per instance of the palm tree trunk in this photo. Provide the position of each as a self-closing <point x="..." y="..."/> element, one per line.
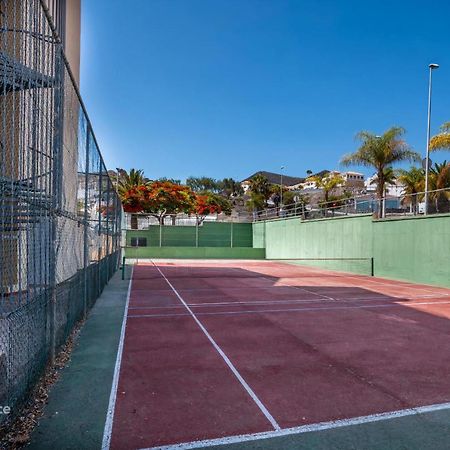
<point x="380" y="192"/>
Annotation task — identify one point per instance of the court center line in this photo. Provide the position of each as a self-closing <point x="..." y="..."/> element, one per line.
<point x="326" y="308"/>
<point x="315" y="427"/>
<point x="107" y="432"/>
<point x="245" y="385"/>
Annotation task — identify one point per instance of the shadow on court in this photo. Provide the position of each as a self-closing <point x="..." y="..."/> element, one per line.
<point x="311" y="345"/>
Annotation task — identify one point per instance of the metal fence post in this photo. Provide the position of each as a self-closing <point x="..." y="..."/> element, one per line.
<point x="107" y="232"/>
<point x="160" y="232"/>
<point x="231" y="234"/>
<point x="86" y="228"/>
<point x="196" y="232"/>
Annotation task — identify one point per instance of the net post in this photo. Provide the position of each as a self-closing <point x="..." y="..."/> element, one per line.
<point x="123" y="268"/>
<point x="160" y="231"/>
<point x="372" y="267"/>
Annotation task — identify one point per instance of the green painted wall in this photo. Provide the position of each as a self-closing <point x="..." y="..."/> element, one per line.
<point x="411" y="249"/>
<point x="342" y="237"/>
<point x="196" y="252"/>
<point x="259" y="233"/>
<point x="210" y="234"/>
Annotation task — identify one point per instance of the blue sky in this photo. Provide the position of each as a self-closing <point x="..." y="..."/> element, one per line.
<point x="226" y="87"/>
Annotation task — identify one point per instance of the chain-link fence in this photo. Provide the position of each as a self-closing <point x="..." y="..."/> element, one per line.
<point x="60" y="216"/>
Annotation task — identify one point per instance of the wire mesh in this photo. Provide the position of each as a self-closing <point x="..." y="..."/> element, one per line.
<point x="60" y="217"/>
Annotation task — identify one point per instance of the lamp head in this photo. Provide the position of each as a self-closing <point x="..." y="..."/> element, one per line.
<point x="433" y="66"/>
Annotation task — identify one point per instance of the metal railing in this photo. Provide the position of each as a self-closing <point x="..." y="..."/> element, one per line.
<point x="141" y="221"/>
<point x="388" y="206"/>
<point x="60" y="216"/>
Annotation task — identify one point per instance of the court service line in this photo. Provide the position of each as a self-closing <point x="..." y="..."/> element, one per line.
<point x="107" y="432"/>
<point x="321" y="426"/>
<point x="245" y="385"/>
<point x="326" y="308"/>
<point x="142" y="305"/>
<point x="395" y="284"/>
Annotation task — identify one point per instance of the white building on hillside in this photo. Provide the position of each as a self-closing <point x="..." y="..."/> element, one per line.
<point x="394" y="190"/>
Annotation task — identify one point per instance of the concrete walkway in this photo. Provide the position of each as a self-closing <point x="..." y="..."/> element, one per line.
<point x="75" y="415"/>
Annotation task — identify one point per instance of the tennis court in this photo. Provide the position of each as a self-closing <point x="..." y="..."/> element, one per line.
<point x="217" y="352"/>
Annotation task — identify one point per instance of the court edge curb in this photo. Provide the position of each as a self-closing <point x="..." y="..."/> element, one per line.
<point x="106" y="441"/>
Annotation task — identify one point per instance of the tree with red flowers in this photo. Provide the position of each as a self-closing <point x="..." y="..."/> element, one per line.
<point x="159" y="199"/>
<point x="210" y="203"/>
<point x="166" y="198"/>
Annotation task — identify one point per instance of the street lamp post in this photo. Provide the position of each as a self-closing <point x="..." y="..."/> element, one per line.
<point x="281" y="186"/>
<point x="427" y="157"/>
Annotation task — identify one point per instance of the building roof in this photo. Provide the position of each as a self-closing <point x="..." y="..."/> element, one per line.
<point x="275" y="178"/>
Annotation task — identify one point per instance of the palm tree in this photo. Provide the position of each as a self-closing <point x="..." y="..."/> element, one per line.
<point x="260" y="185"/>
<point x="413" y="181"/>
<point x="231" y="188"/>
<point x="127" y="181"/>
<point x="327" y="183"/>
<point x="440" y="179"/>
<point x="442" y="140"/>
<point x="381" y="152"/>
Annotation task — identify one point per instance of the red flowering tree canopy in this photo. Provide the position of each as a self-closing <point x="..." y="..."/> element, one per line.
<point x="162" y="198"/>
<point x="159" y="197"/>
<point x="210" y="203"/>
<point x="134" y="199"/>
<point x="170" y="198"/>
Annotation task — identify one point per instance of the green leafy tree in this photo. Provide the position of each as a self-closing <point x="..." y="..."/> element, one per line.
<point x="170" y="180"/>
<point x="327" y="183"/>
<point x="440" y="179"/>
<point x="231" y="188"/>
<point x="257" y="201"/>
<point x="202" y="184"/>
<point x="413" y="181"/>
<point x="260" y="191"/>
<point x="380" y="152"/>
<point x="442" y="140"/>
<point x="260" y="185"/>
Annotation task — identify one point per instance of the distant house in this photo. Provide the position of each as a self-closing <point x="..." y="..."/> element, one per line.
<point x="352" y="180"/>
<point x="396" y="189"/>
<point x="274" y="178"/>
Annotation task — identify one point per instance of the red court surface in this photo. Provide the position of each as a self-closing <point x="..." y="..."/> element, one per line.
<point x="224" y="348"/>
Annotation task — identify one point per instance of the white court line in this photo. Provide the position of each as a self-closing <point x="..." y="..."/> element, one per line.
<point x="321" y="426"/>
<point x="326" y="308"/>
<point x="397" y="284"/>
<point x="385" y="282"/>
<point x="375" y="283"/>
<point x="290" y="301"/>
<point x="107" y="432"/>
<point x="224" y="357"/>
